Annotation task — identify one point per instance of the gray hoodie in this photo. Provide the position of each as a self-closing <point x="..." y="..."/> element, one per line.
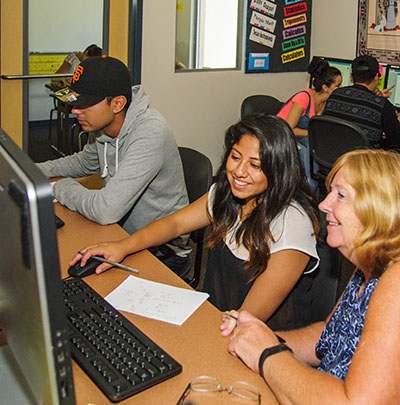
<point x="141" y="170"/>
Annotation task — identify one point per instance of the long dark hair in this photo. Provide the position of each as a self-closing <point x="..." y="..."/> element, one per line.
<point x="286" y="183"/>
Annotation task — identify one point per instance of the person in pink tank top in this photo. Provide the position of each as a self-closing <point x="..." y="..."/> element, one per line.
<point x="303" y="105"/>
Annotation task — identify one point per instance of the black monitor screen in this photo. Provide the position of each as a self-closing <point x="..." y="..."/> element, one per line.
<point x="393" y="78"/>
<point x="345" y="69"/>
<point x="344" y="65"/>
<point x="32" y="310"/>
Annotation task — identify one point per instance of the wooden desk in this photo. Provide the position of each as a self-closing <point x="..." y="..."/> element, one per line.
<point x="197" y="344"/>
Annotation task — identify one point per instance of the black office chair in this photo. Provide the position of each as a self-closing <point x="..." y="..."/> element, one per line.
<point x="329" y="138"/>
<point x="324" y="290"/>
<point x="260" y="103"/>
<point x="197" y="169"/>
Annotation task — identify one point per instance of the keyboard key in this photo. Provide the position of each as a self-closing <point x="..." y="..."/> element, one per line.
<point x="116" y="355"/>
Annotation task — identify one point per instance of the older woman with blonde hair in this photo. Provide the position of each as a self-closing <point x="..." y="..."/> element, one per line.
<point x="354" y="356"/>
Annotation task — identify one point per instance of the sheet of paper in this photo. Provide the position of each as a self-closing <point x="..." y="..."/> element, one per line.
<point x="155" y="300"/>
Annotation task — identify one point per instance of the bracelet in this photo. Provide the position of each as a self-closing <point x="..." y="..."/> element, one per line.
<point x="269" y="351"/>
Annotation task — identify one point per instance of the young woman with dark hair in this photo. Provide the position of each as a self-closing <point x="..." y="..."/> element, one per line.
<point x="309" y="102"/>
<point x="264" y="221"/>
<point x="306" y="103"/>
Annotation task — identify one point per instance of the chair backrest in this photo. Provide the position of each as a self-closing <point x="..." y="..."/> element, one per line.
<point x="331" y="137"/>
<point x="259" y="104"/>
<point x="197" y="169"/>
<point x="325" y="286"/>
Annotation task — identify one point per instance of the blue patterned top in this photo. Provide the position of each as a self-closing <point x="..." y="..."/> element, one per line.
<point x="342" y="333"/>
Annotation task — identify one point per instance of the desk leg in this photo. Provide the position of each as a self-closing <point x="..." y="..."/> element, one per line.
<point x="58" y="147"/>
<point x="66" y="132"/>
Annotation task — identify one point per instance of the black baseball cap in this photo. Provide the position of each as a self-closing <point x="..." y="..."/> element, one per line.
<point x="365" y="63"/>
<point x="95" y="79"/>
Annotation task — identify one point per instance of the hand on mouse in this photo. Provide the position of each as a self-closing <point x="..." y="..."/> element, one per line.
<point x="109" y="250"/>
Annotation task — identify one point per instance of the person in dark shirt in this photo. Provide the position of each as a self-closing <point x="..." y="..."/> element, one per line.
<point x="366" y="106"/>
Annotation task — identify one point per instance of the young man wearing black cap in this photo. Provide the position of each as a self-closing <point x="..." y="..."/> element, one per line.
<point x="361" y="104"/>
<point x="134" y="150"/>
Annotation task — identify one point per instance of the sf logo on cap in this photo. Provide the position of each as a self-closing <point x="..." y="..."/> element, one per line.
<point x="77" y="74"/>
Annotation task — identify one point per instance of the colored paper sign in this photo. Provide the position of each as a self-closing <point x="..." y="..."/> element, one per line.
<point x="297" y="8"/>
<point x="293" y="43"/>
<point x="262" y="21"/>
<point x="277" y="35"/>
<point x="45" y="64"/>
<point x="294" y="32"/>
<point x="293" y="55"/>
<point x="292" y="1"/>
<point x="259" y="61"/>
<point x="264" y="6"/>
<point x="262" y="37"/>
<point x="295" y="20"/>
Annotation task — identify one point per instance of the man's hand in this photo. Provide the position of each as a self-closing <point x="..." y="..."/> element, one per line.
<point x="384" y="92"/>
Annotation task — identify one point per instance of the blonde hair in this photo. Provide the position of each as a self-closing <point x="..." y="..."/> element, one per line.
<point x="375" y="177"/>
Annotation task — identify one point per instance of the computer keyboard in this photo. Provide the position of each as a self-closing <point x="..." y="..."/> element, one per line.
<point x="116" y="355"/>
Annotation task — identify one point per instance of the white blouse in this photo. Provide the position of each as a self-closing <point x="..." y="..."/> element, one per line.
<point x="291" y="229"/>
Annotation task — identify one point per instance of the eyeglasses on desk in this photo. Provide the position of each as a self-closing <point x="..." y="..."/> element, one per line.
<point x="206" y="384"/>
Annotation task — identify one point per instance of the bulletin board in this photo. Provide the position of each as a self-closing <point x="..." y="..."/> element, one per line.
<point x="45" y="63"/>
<point x="379" y="30"/>
<point x="278" y="34"/>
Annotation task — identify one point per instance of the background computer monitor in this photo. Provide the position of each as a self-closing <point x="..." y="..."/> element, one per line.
<point x="393" y="78"/>
<point x="32" y="310"/>
<point x="344" y="65"/>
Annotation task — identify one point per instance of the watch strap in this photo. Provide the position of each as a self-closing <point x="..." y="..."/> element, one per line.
<point x="269" y="351"/>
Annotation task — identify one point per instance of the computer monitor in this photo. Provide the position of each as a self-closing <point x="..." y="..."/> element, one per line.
<point x="32" y="310"/>
<point x="344" y="65"/>
<point x="393" y="78"/>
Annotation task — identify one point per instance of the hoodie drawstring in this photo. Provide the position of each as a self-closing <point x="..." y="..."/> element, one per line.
<point x="105" y="170"/>
<point x="116" y="155"/>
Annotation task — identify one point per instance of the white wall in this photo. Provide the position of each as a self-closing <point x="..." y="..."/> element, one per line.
<point x="55" y="27"/>
<point x="200" y="106"/>
<point x="334" y="28"/>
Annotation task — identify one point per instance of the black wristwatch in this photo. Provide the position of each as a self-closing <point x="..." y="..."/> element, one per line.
<point x="269" y="351"/>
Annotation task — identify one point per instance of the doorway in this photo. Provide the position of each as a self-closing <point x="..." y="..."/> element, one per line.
<point x="58" y="31"/>
<point x="121" y="34"/>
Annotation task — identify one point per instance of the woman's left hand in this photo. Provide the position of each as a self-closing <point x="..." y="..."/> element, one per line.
<point x="229" y="319"/>
<point x="250" y="337"/>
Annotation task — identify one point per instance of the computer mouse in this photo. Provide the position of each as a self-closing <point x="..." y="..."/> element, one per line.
<point x="89" y="268"/>
<point x="59" y="222"/>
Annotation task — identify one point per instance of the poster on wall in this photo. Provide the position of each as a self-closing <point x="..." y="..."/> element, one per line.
<point x="278" y="36"/>
<point x="379" y="30"/>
